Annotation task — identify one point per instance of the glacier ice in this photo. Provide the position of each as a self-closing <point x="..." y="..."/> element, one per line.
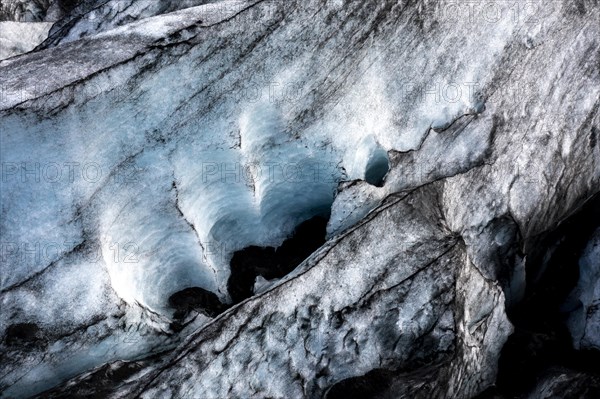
<point x="145" y="144"/>
<point x="584" y="323"/>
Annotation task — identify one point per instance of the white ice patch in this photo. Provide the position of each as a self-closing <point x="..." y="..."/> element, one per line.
<point x="21" y="37"/>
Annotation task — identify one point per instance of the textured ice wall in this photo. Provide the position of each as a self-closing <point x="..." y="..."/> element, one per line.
<point x="26" y="10"/>
<point x="585" y="322"/>
<point x="90" y="17"/>
<point x="417" y="291"/>
<point x="151" y="119"/>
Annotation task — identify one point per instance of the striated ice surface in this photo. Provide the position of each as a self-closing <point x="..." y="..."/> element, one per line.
<point x="90" y="17"/>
